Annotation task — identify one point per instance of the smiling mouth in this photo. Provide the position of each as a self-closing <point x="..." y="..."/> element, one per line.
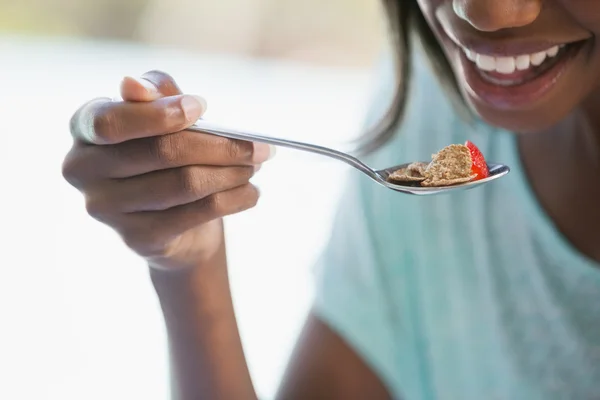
<point x="516" y="81"/>
<point x="520" y="69"/>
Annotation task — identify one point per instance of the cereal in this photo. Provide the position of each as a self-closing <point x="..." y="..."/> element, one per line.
<point x="452" y="165"/>
<point x="415" y="172"/>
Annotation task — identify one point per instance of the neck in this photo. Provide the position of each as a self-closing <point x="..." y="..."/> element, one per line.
<point x="563" y="165"/>
<point x="588" y="130"/>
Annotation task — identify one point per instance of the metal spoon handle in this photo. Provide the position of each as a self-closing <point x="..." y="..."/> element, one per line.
<point x="213" y="129"/>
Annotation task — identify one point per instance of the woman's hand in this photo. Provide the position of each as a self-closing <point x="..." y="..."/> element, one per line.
<point x="163" y="189"/>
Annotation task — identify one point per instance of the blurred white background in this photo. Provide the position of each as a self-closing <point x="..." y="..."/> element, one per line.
<point x="78" y="316"/>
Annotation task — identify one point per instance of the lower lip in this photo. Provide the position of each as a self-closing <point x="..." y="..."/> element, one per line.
<point x="517" y="96"/>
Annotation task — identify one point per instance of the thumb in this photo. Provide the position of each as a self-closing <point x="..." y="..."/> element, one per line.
<point x="151" y="86"/>
<point x="139" y="89"/>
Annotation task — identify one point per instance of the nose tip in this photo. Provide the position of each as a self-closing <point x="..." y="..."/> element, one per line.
<point x="494" y="15"/>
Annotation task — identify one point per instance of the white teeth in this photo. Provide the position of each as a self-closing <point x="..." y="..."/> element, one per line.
<point x="486" y="63"/>
<point x="553" y="51"/>
<point x="505" y="65"/>
<point x="523" y="62"/>
<point x="470" y="55"/>
<point x="508" y="65"/>
<point x="538" y="58"/>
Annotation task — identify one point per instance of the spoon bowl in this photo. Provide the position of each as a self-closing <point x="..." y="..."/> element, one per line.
<point x="496" y="171"/>
<point x="379" y="176"/>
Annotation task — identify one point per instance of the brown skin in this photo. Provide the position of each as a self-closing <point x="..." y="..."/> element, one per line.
<point x="560" y="144"/>
<point x="165" y="191"/>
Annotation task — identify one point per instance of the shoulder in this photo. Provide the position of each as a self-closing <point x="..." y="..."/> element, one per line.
<point x="366" y="275"/>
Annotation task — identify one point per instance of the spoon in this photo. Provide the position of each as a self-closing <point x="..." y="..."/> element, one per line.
<point x="379" y="176"/>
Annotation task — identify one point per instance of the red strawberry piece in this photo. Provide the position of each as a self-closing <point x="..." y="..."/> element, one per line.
<point x="479" y="165"/>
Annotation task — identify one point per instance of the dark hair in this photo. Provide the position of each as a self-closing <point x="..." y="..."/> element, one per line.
<point x="404" y="18"/>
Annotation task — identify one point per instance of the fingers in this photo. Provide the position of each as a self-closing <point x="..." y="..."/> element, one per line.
<point x="164" y="82"/>
<point x="165" y="189"/>
<point x="139" y="89"/>
<point x="104" y="122"/>
<point x="161" y="152"/>
<point x="150" y="231"/>
<point x="151" y="180"/>
<point x="152" y="105"/>
<point x="151" y="86"/>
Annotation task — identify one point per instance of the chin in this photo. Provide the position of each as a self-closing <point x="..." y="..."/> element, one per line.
<point x="527" y="121"/>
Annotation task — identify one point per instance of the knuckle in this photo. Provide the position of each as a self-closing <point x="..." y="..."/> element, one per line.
<point x="165" y="149"/>
<point x="114" y="152"/>
<point x="170" y="115"/>
<point x="241" y="175"/>
<point x="224" y="203"/>
<point x="75" y="166"/>
<point x="144" y="242"/>
<point x="69" y="167"/>
<point x="107" y="127"/>
<point x="96" y="207"/>
<point x="81" y="124"/>
<point x="213" y="204"/>
<point x="237" y="150"/>
<point x="192" y="181"/>
<point x="248" y="173"/>
<point x="251" y="196"/>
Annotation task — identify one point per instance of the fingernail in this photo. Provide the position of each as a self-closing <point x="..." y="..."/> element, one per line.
<point x="193" y="107"/>
<point x="149" y="86"/>
<point x="263" y="152"/>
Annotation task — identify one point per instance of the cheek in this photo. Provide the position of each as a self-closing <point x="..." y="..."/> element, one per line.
<point x="428" y="7"/>
<point x="430" y="10"/>
<point x="585" y="12"/>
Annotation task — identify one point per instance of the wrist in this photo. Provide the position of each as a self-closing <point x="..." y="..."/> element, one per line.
<point x="192" y="282"/>
<point x="204" y="247"/>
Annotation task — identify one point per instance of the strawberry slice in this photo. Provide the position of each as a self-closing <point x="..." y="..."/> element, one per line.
<point x="479" y="165"/>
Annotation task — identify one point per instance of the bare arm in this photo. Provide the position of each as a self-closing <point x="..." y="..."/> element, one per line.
<point x="323" y="366"/>
<point x="207" y="358"/>
<point x="165" y="191"/>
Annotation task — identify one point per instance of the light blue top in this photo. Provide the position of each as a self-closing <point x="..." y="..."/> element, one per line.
<point x="474" y="295"/>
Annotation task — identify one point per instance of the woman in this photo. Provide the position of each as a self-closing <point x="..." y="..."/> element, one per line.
<point x="488" y="294"/>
